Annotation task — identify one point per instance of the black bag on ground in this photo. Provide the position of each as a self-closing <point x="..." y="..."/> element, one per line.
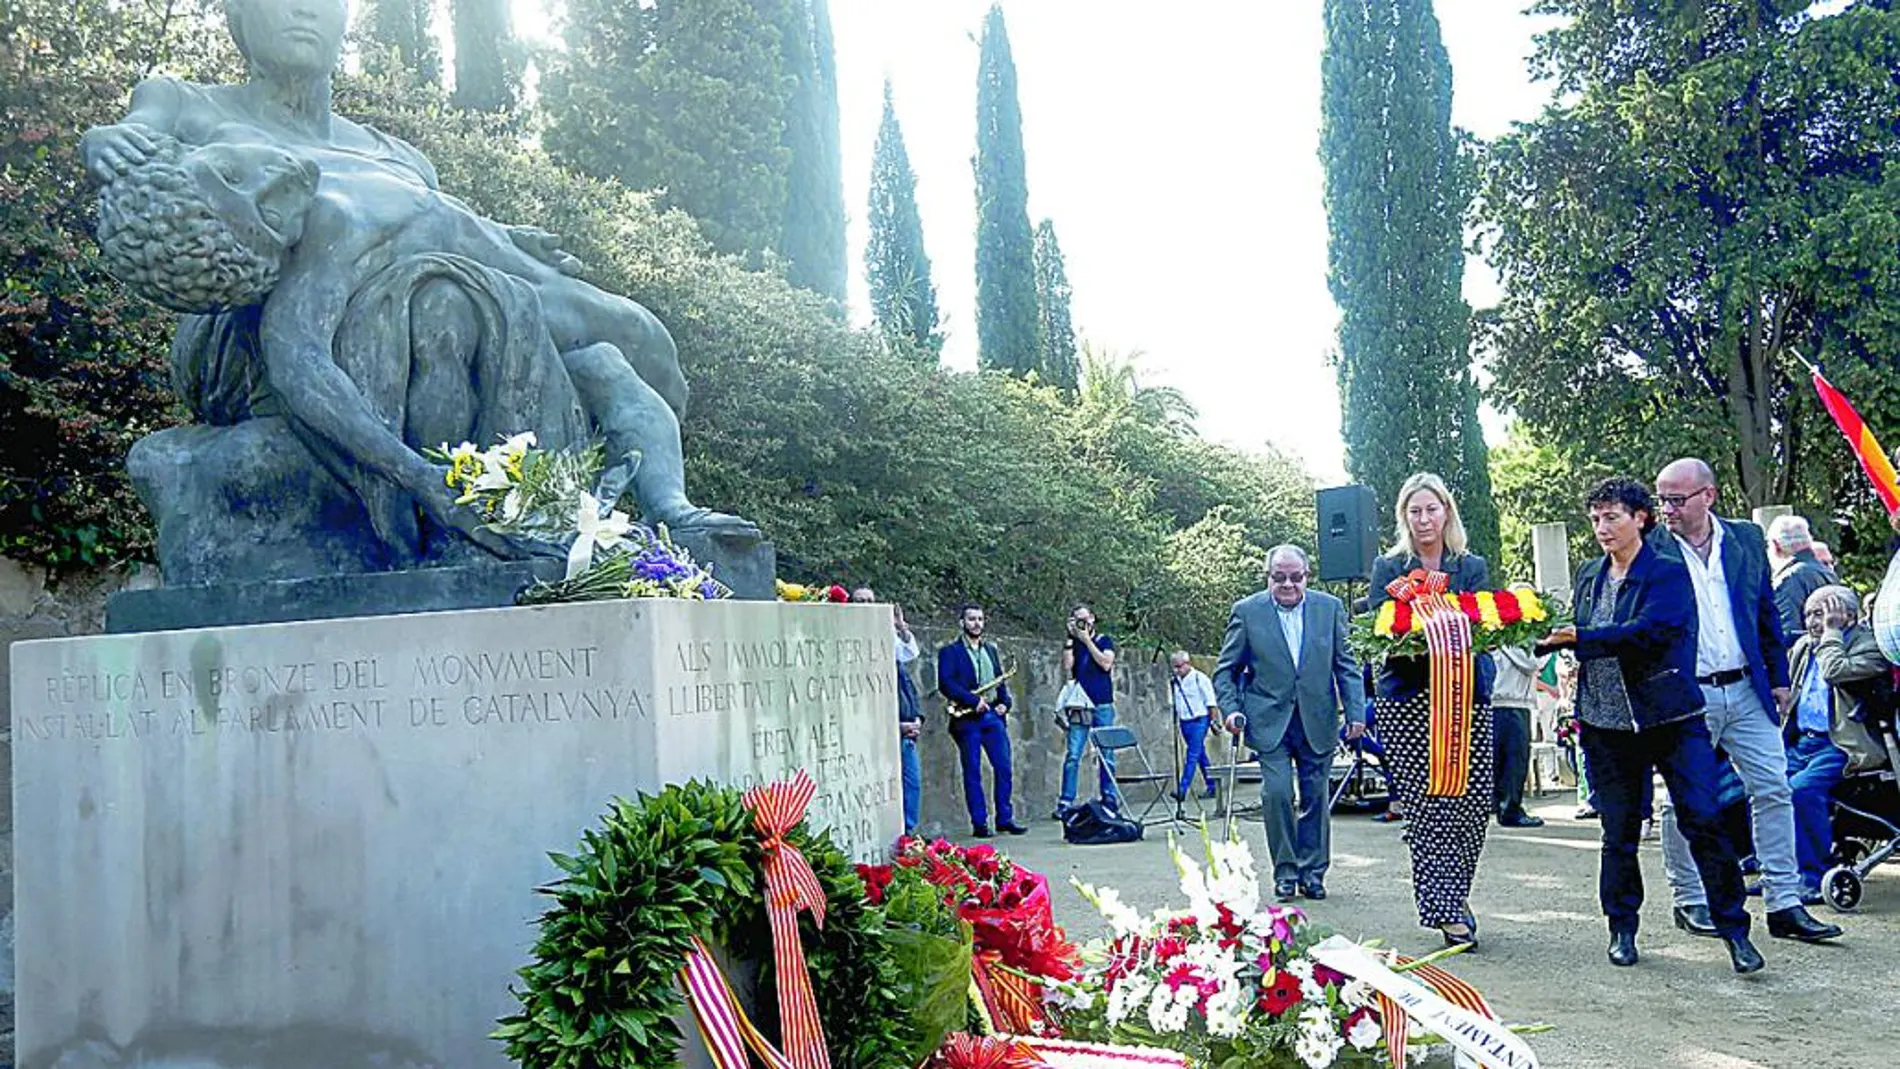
<point x="1095" y="824"/>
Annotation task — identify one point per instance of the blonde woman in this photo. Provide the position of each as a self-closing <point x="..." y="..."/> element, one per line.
<point x="1445" y="833"/>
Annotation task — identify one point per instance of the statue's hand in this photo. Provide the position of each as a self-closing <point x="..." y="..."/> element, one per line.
<point x="110" y="151"/>
<point x="439" y="502"/>
<point x="546" y="248"/>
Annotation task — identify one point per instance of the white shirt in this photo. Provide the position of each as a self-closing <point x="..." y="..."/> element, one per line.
<point x="906" y="647"/>
<point x="1717" y="649"/>
<point x="1293" y="626"/>
<point x="1193" y="695"/>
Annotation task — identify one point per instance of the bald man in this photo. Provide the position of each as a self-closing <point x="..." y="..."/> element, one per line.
<point x="1742" y="667"/>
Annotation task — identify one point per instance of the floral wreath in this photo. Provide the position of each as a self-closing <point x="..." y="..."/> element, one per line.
<point x="660" y="873"/>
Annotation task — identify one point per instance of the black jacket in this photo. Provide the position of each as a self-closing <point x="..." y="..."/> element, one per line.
<point x="1652" y="635"/>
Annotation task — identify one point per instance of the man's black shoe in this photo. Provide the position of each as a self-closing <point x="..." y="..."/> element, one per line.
<point x="982" y="831"/>
<point x="1623" y="949"/>
<point x="1744" y="955"/>
<point x="1796" y="923"/>
<point x="1696" y="921"/>
<point x="1014" y="828"/>
<point x="1314" y="890"/>
<point x="1521" y="820"/>
<point x="1284" y="890"/>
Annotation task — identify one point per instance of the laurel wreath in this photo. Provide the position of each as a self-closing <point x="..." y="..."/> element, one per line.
<point x="659" y="870"/>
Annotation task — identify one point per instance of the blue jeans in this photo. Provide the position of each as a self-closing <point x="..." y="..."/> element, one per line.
<point x="1195" y="732"/>
<point x="984" y="735"/>
<point x="913" y="781"/>
<point x="1815" y="765"/>
<point x="1751" y="736"/>
<point x="1078" y="745"/>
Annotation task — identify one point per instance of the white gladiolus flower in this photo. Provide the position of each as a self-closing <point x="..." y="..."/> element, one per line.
<point x="1357" y="994"/>
<point x="1122" y="918"/>
<point x="1364" y="1033"/>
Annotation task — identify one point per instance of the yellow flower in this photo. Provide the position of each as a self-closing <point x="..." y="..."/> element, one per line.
<point x="1382" y="624"/>
<point x="1488" y="611"/>
<point x="1533" y="608"/>
<point x="791" y="591"/>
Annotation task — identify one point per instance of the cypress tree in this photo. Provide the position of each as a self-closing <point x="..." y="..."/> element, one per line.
<point x="688" y="96"/>
<point x="1055" y="334"/>
<point x="1396" y="191"/>
<point x="813" y="228"/>
<point x="399" y="28"/>
<point x="1005" y="248"/>
<point x="903" y="298"/>
<point x="487" y="61"/>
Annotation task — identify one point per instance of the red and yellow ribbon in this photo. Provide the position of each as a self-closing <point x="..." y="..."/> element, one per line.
<point x="1014" y="1004"/>
<point x="790" y="885"/>
<point x="1453" y="990"/>
<point x="1453" y="677"/>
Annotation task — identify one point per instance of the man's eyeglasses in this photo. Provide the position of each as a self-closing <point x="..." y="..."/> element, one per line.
<point x="1676" y="501"/>
<point x="1288" y="577"/>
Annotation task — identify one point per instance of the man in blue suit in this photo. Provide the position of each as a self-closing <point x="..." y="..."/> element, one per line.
<point x="970" y="677"/>
<point x="1742" y="667"/>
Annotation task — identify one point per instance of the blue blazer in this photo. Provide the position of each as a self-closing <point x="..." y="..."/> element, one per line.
<point x="1751" y="598"/>
<point x="956" y="676"/>
<point x="1652" y="636"/>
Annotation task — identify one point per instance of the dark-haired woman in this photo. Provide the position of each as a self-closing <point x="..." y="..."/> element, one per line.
<point x="1640" y="709"/>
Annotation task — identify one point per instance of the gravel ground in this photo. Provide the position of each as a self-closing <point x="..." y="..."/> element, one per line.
<point x="1542" y="952"/>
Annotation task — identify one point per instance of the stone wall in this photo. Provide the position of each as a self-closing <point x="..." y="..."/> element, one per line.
<point x="34" y="604"/>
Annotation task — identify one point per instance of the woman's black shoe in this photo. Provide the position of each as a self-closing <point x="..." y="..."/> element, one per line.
<point x="1623" y="948"/>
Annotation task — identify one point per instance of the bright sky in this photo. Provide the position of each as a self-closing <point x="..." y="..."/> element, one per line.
<point x="1178" y="154"/>
<point x="1176" y="150"/>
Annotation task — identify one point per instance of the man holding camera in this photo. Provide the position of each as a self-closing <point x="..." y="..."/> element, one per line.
<point x="1088" y="660"/>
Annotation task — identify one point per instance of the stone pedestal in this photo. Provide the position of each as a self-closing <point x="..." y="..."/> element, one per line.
<point x="320" y="841"/>
<point x="1550" y="558"/>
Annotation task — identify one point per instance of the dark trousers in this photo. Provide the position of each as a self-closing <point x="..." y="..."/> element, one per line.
<point x="977" y="736"/>
<point x="1298" y="840"/>
<point x="1511" y="745"/>
<point x="1622" y="764"/>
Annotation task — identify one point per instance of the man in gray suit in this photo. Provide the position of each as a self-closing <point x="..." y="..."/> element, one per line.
<point x="1286" y="670"/>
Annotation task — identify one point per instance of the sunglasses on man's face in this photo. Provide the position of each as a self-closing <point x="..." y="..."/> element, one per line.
<point x="1288" y="578"/>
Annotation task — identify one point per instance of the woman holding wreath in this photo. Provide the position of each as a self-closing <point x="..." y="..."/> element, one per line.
<point x="1441" y="752"/>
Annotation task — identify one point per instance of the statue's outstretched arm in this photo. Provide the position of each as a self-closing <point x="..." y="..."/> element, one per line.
<point x="114" y="149"/>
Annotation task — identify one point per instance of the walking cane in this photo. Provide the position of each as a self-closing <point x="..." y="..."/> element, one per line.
<point x="1233" y="773"/>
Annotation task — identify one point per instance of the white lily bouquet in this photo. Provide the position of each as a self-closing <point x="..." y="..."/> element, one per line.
<point x="561" y="502"/>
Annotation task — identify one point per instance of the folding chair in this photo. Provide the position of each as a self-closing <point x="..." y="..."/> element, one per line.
<point x="1112" y="743"/>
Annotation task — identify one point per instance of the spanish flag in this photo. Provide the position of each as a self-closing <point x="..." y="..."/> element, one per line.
<point x="1873" y="459"/>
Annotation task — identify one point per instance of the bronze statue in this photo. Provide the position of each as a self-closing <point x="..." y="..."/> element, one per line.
<point x="329" y="283"/>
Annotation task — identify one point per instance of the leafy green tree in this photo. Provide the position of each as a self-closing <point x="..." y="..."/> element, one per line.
<point x="903" y="298"/>
<point x="813" y="228"/>
<point x="1709" y="198"/>
<point x="1396" y="191"/>
<point x="399" y="32"/>
<point x="1006" y="313"/>
<point x="1537" y="482"/>
<point x="488" y="61"/>
<point x="685" y="96"/>
<point x="83" y="371"/>
<point x="1056" y="361"/>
